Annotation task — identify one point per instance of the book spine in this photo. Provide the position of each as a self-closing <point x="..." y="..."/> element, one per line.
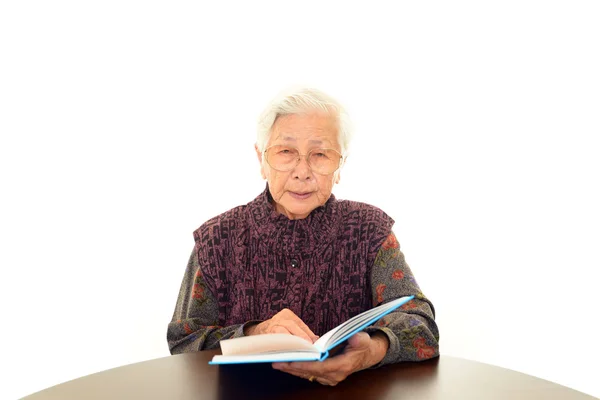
<point x="324" y="355"/>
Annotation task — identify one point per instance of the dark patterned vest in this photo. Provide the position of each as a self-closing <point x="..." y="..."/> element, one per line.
<point x="258" y="262"/>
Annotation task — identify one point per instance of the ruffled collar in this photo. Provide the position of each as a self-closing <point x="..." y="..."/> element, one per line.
<point x="279" y="233"/>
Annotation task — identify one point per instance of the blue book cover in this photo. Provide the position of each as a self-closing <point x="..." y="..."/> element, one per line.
<point x="277" y="347"/>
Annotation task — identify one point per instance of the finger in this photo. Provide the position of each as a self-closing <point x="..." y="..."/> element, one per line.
<point x="289" y="328"/>
<point x="325" y="381"/>
<point x="316" y="369"/>
<point x="294" y="329"/>
<point x="288" y="314"/>
<point x="359" y="340"/>
<point x="330" y="379"/>
<point x="310" y="333"/>
<point x="308" y="368"/>
<point x="334" y="369"/>
<point x="279" y="329"/>
<point x="306" y="329"/>
<point x="284" y="368"/>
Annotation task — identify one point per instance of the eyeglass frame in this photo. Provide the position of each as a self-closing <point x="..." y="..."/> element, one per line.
<point x="305" y="157"/>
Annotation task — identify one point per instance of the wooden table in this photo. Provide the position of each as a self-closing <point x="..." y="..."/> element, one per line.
<point x="188" y="376"/>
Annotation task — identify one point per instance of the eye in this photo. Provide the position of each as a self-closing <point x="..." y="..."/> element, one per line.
<point x="284" y="151"/>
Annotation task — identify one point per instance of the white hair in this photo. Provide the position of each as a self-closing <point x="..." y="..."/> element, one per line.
<point x="302" y="100"/>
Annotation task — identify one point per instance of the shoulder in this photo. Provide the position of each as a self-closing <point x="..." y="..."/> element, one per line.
<point x="356" y="212"/>
<point x="221" y="226"/>
<point x="366" y="222"/>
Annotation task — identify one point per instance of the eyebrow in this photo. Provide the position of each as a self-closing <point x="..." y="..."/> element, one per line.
<point x="293" y="139"/>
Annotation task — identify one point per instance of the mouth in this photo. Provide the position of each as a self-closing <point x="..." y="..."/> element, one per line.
<point x="300" y="195"/>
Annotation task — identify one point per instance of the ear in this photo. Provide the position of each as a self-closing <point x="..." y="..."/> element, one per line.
<point x="259" y="155"/>
<point x="339" y="171"/>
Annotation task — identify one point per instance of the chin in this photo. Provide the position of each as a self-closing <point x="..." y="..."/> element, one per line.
<point x="303" y="210"/>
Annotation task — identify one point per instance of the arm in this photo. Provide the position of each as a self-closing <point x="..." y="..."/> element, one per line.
<point x="411" y="330"/>
<point x="195" y="321"/>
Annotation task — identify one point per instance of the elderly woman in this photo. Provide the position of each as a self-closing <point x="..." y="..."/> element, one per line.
<point x="296" y="260"/>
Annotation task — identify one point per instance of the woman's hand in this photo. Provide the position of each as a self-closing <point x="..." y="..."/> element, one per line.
<point x="363" y="351"/>
<point x="285" y="321"/>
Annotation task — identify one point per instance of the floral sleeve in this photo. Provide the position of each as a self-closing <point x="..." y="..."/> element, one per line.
<point x="194" y="325"/>
<point x="411" y="330"/>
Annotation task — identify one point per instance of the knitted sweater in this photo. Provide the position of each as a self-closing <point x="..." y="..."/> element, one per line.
<point x="251" y="262"/>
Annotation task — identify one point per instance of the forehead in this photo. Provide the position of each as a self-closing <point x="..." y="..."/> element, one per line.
<point x="316" y="127"/>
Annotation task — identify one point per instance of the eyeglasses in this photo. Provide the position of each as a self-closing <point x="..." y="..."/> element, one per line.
<point x="286" y="158"/>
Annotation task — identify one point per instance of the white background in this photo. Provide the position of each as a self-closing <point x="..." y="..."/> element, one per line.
<point x="125" y="125"/>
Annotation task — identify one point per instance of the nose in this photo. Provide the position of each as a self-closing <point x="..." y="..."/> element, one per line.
<point x="302" y="170"/>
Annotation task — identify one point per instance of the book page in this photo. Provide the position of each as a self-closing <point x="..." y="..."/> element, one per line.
<point x="321" y="343"/>
<point x="274" y="342"/>
<point x="357" y="323"/>
<point x="325" y="341"/>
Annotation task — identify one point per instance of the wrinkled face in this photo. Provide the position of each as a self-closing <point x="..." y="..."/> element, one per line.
<point x="299" y="191"/>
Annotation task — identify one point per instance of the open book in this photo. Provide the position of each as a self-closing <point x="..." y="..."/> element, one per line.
<point x="277" y="347"/>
